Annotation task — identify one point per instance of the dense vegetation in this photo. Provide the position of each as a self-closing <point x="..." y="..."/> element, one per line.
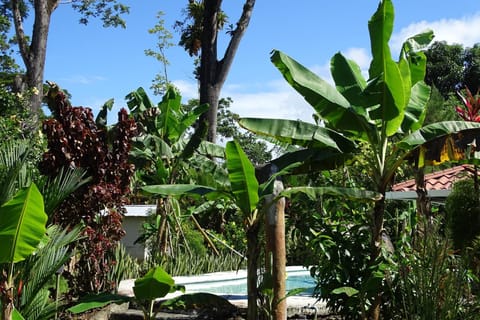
<point x="63" y="189"/>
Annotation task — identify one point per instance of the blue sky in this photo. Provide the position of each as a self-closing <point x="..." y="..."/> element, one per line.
<point x="95" y="64"/>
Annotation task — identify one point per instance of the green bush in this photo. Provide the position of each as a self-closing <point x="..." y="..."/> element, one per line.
<point x="339" y="240"/>
<point x="463" y="213"/>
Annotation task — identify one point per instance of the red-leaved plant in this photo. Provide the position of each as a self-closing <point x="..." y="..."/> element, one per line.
<point x="75" y="139"/>
<point x="470" y="111"/>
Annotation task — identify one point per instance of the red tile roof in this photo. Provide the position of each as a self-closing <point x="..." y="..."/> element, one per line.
<point x="440" y="180"/>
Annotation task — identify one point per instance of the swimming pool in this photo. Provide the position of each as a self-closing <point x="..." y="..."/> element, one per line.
<point x="235" y="283"/>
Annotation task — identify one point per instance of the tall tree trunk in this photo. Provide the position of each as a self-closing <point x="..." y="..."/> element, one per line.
<point x="34" y="55"/>
<point x="212" y="72"/>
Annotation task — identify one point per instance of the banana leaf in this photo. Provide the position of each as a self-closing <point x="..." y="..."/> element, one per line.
<point x="389" y="91"/>
<point x="22" y="225"/>
<point x="298" y="133"/>
<point x="155" y="284"/>
<point x="177" y="189"/>
<point x="329" y="104"/>
<point x="316" y="192"/>
<point x="243" y="182"/>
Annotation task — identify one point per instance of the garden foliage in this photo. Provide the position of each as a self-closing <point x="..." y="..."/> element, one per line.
<point x="77" y="140"/>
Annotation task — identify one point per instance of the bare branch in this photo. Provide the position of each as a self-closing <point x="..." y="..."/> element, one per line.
<point x="237" y="34"/>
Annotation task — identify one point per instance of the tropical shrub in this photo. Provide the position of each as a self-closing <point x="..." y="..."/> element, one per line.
<point x="15" y="118"/>
<point x="40" y="294"/>
<point x="31" y="254"/>
<point x="76" y="140"/>
<point x="155" y="284"/>
<point x="163" y="153"/>
<point x="462" y="208"/>
<point x="428" y="280"/>
<point x="333" y="242"/>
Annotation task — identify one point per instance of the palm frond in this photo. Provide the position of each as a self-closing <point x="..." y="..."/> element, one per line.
<point x="42" y="307"/>
<point x="56" y="189"/>
<point x="41" y="267"/>
<point x="13" y="172"/>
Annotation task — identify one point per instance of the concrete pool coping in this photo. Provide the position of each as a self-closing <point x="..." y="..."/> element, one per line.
<point x="295" y="304"/>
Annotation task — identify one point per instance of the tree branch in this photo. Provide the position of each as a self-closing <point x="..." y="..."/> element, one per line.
<point x="242" y="24"/>
<point x="20" y="33"/>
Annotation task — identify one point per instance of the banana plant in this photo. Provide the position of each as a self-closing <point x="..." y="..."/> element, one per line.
<point x="383" y="113"/>
<point x="155" y="284"/>
<point x="22" y="226"/>
<point x="163" y="153"/>
<point x="30" y="252"/>
<point x="247" y="193"/>
<point x="244" y="190"/>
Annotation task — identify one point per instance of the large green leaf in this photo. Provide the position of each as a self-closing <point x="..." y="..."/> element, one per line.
<point x="243" y="182"/>
<point x="97" y="301"/>
<point x="329" y="104"/>
<point x="190" y="117"/>
<point x="211" y="150"/>
<point x="155" y="284"/>
<point x="298" y="133"/>
<point x="169" y="119"/>
<point x="417" y="107"/>
<point x="436" y="130"/>
<point x="316" y="192"/>
<point x="22" y="225"/>
<point x="380" y="27"/>
<point x="101" y="119"/>
<point x="177" y="189"/>
<point x="452" y="141"/>
<point x="311" y="160"/>
<point x="412" y="52"/>
<point x="348" y="78"/>
<point x="388" y="89"/>
<point x="16" y="315"/>
<point x="138" y="101"/>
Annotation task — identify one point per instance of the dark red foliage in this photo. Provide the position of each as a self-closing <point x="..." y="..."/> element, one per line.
<point x="75" y="140"/>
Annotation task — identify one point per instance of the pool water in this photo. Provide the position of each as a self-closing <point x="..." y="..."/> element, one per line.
<point x="239" y="286"/>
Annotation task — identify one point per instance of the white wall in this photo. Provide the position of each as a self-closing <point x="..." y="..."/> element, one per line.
<point x="133" y="220"/>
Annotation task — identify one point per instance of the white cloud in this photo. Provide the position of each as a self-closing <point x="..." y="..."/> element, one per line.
<point x="276" y="100"/>
<point x="188" y="89"/>
<point x="82" y="79"/>
<point x="360" y="55"/>
<point x="453" y="31"/>
<point x="323" y="71"/>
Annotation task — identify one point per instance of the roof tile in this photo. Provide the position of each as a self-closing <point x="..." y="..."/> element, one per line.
<point x="440" y="180"/>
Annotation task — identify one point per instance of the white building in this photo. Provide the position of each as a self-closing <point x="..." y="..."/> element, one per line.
<point x="135" y="217"/>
